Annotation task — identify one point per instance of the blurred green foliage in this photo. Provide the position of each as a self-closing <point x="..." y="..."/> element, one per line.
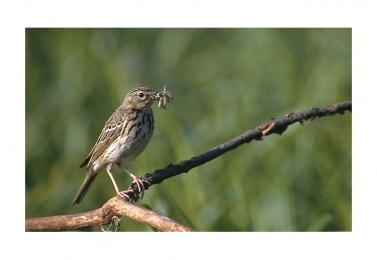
<point x="224" y="82"/>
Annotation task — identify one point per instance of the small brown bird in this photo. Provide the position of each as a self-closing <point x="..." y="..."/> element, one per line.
<point x="124" y="136"/>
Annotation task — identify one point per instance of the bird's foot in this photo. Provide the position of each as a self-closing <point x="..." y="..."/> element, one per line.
<point x="138" y="182"/>
<point x="140" y="185"/>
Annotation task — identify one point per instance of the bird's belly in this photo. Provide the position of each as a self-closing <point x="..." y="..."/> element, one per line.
<point x="126" y="149"/>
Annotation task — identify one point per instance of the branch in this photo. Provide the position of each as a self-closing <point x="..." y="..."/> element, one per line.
<point x="118" y="207"/>
<point x="103" y="216"/>
<point x="275" y="126"/>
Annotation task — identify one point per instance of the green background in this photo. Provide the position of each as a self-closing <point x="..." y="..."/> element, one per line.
<point x="224" y="82"/>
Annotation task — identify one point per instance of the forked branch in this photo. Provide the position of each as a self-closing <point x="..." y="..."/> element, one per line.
<point x="115" y="207"/>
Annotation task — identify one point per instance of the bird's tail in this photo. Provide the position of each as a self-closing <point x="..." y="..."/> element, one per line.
<point x="90" y="176"/>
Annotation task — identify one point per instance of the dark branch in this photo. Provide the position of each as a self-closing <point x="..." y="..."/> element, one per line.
<point x="275" y="126"/>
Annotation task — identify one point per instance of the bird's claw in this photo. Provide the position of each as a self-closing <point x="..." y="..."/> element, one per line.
<point x="124" y="195"/>
<point x="140" y="186"/>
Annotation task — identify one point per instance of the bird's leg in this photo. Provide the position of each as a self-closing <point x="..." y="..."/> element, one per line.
<point x="139" y="183"/>
<point x="122" y="194"/>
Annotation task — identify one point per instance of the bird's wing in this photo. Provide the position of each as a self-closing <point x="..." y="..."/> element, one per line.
<point x="110" y="132"/>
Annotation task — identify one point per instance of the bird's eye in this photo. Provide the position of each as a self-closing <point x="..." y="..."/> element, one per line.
<point x="140" y="94"/>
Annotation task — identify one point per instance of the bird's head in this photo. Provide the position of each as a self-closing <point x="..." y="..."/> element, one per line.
<point x="140" y="98"/>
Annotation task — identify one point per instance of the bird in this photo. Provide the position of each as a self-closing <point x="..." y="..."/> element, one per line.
<point x="125" y="135"/>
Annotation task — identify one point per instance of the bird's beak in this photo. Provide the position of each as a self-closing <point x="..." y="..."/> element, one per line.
<point x="156" y="96"/>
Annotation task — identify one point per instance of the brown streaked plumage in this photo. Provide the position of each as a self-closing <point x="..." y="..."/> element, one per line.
<point x="124" y="136"/>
